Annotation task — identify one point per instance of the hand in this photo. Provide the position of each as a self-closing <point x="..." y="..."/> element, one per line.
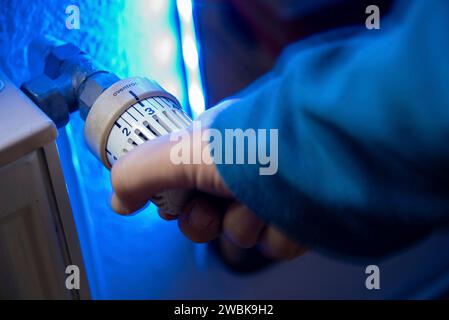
<point x="148" y="170"/>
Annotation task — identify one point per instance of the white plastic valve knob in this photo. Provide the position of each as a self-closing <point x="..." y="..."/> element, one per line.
<point x="126" y="115"/>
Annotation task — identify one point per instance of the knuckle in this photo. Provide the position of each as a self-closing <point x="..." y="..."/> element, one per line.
<point x="198" y="225"/>
<point x="195" y="235"/>
<point x="204" y="223"/>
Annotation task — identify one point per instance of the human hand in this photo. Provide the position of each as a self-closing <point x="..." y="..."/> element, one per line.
<point x="147" y="170"/>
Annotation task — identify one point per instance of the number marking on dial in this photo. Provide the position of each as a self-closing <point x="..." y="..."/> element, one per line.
<point x="143" y="121"/>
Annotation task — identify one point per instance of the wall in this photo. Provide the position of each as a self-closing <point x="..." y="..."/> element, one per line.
<point x="127" y="37"/>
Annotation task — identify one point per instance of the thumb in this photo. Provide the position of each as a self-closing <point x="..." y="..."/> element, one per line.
<point x="148" y="170"/>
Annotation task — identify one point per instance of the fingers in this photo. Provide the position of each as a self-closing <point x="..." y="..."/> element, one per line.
<point x="277" y="246"/>
<point x="242" y="226"/>
<point x="245" y="229"/>
<point x="201" y="221"/>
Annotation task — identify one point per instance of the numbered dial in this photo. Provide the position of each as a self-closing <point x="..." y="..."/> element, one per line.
<point x="145" y="120"/>
<point x="127" y="114"/>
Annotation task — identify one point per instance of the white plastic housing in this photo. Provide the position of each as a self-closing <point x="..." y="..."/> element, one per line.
<point x="126" y="115"/>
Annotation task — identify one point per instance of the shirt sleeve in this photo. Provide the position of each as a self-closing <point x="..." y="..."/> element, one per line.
<point x="363" y="133"/>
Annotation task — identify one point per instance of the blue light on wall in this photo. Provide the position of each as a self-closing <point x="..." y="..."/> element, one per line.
<point x="190" y="54"/>
<point x="149" y="39"/>
<point x="137" y="256"/>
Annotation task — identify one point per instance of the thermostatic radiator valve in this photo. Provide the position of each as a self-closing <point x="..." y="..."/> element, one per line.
<point x="119" y="114"/>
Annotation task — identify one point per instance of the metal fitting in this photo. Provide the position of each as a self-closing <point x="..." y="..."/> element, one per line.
<point x="92" y="88"/>
<point x="49" y="98"/>
<point x="65" y="79"/>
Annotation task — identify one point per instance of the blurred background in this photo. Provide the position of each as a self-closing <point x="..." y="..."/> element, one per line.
<point x="201" y="52"/>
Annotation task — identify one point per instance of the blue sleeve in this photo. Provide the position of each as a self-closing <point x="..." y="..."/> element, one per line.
<point x="363" y="138"/>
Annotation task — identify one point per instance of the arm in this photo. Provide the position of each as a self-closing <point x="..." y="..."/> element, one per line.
<point x="363" y="163"/>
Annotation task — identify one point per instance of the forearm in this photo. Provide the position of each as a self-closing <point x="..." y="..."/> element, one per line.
<point x="363" y="165"/>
